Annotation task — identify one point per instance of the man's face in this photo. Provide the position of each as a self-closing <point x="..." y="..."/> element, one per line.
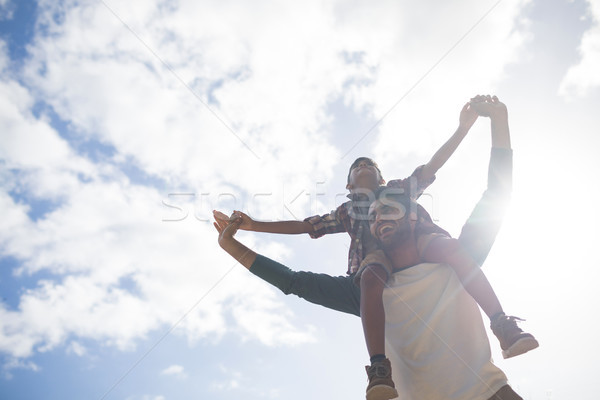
<point x="389" y="223"/>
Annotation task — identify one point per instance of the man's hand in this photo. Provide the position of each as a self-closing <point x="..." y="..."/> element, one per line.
<point x="237" y="250"/>
<point x="489" y="106"/>
<point x="468" y="116"/>
<point x="246" y="223"/>
<point x="227" y="229"/>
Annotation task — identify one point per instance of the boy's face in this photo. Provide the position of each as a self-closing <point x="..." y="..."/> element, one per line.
<point x="364" y="174"/>
<point x="389" y="223"/>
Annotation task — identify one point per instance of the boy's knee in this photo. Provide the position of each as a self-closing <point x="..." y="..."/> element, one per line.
<point x="376" y="265"/>
<point x="374" y="274"/>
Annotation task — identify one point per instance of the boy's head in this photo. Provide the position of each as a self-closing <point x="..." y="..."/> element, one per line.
<point x="364" y="174"/>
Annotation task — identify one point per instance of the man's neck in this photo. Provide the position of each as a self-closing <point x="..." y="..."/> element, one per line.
<point x="405" y="254"/>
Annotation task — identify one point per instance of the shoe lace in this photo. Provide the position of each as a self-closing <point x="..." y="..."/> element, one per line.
<point x="378" y="370"/>
<point x="506" y="323"/>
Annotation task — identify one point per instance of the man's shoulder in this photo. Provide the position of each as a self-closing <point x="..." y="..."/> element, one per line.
<point x="421" y="271"/>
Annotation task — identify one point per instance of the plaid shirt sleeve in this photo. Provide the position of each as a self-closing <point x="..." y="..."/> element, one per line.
<point x="336" y="221"/>
<point x="414" y="185"/>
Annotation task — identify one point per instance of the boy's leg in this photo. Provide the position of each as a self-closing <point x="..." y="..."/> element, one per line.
<point x="372" y="277"/>
<point x="335" y="292"/>
<point x="372" y="313"/>
<point x="480" y="231"/>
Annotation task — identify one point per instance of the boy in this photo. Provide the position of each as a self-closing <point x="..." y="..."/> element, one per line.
<point x="364" y="180"/>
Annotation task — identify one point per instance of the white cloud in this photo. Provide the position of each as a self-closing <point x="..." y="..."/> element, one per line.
<point x="14" y="363"/>
<point x="48" y="165"/>
<point x="243" y="385"/>
<point x="121" y="272"/>
<point x="175" y="370"/>
<point x="581" y="78"/>
<point x="116" y="270"/>
<point x="77" y="349"/>
<point x="95" y="73"/>
<point x="426" y="96"/>
<point x="232" y="381"/>
<point x="268" y="74"/>
<point x="7" y="9"/>
<point x="262" y="318"/>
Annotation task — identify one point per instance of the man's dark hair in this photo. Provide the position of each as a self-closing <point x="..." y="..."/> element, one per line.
<point x="425" y="225"/>
<point x="358" y="160"/>
<point x="390" y="195"/>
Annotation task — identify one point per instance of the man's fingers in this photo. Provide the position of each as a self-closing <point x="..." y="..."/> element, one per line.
<point x="220" y="215"/>
<point x="484" y="98"/>
<point x="231" y="228"/>
<point x="217" y="227"/>
<point x="237" y="214"/>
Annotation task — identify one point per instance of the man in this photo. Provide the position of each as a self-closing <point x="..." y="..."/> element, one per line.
<point x="435" y="338"/>
<point x="477" y="236"/>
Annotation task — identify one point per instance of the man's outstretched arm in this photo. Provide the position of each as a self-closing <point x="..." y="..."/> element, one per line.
<point x="481" y="228"/>
<point x="492" y="107"/>
<point x="237" y="250"/>
<point x="335" y="292"/>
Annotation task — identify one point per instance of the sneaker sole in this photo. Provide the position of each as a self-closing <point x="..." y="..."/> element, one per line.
<point x="382" y="392"/>
<point x="520" y="347"/>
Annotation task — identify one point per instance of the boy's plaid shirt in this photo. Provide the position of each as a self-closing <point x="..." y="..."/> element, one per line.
<point x="352" y="217"/>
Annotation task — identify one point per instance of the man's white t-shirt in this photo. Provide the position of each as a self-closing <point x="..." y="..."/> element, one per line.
<point x="435" y="337"/>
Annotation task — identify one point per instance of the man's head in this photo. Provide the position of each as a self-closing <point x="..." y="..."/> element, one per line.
<point x="392" y="219"/>
<point x="364" y="174"/>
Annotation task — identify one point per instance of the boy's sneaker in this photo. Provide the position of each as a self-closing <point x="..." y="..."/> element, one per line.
<point x="513" y="340"/>
<point x="381" y="386"/>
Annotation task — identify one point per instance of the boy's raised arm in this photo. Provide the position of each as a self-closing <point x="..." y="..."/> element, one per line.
<point x="467" y="118"/>
<point x="248" y="224"/>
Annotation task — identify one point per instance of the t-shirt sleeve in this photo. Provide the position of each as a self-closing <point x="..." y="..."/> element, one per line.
<point x="423" y="242"/>
<point x="272" y="272"/>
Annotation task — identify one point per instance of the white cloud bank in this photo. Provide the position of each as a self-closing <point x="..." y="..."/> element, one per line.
<point x="115" y="271"/>
<point x="583" y="77"/>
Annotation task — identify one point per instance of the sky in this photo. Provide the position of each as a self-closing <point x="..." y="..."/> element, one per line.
<point x="124" y="124"/>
